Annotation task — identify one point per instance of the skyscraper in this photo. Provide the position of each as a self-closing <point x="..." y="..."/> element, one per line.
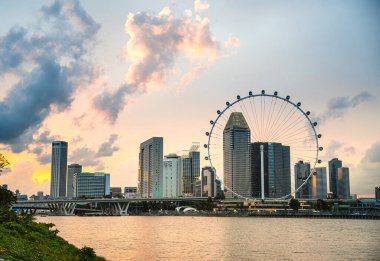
<point x="334" y="164"/>
<point x="151" y="168"/>
<point x="172" y="176"/>
<point x="236" y="155"/>
<point x="72" y="169"/>
<point x="301" y="172"/>
<point x="58" y="169"/>
<point x="276" y="169"/>
<point x="319" y="183"/>
<point x="377" y="193"/>
<point x="191" y="168"/>
<point x="343" y="183"/>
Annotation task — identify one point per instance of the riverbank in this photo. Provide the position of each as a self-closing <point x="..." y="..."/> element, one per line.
<point x="323" y="215"/>
<point x="21" y="238"/>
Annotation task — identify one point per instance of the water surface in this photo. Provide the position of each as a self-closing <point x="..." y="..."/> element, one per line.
<point x="222" y="238"/>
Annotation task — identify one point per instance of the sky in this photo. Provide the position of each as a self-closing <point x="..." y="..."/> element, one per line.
<point x="107" y="76"/>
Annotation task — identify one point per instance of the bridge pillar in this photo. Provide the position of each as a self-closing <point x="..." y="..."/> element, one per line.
<point x="115" y="208"/>
<point x="63" y="209"/>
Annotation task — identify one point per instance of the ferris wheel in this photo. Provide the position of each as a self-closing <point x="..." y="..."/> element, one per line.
<point x="256" y="140"/>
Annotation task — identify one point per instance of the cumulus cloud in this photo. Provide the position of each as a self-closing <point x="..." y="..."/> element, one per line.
<point x="335" y="149"/>
<point x="332" y="150"/>
<point x="201" y="5"/>
<point x="107" y="148"/>
<point x="45" y="138"/>
<point x="90" y="157"/>
<point x="56" y="53"/>
<point x="232" y="42"/>
<point x="338" y="106"/>
<point x="155" y="41"/>
<point x="86" y="157"/>
<point x="372" y="155"/>
<point x="192" y="75"/>
<point x="366" y="175"/>
<point x="111" y="103"/>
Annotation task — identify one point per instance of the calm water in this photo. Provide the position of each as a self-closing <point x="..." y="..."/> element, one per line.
<point x="222" y="238"/>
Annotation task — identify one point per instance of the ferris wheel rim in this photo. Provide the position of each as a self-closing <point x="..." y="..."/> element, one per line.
<point x="275" y="95"/>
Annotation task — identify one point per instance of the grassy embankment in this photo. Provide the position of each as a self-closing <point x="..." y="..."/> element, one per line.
<point x="23" y="239"/>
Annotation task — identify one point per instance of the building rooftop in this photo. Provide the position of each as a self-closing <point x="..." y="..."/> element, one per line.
<point x="236" y="120"/>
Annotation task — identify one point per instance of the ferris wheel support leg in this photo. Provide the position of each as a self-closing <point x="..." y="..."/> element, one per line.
<point x="262" y="172"/>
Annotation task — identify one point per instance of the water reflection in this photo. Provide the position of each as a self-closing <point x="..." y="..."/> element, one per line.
<point x="221" y="238"/>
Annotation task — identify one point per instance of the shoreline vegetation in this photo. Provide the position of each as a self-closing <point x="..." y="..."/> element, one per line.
<point x="21" y="238"/>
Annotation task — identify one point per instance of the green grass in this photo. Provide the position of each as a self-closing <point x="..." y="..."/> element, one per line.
<point x="23" y="239"/>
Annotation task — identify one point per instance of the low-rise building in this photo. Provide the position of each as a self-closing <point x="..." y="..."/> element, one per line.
<point x="91" y="185"/>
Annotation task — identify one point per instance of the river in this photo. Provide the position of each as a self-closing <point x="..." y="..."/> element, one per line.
<point x="221" y="238"/>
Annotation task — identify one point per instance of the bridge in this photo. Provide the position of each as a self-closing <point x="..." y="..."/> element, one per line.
<point x="108" y="206"/>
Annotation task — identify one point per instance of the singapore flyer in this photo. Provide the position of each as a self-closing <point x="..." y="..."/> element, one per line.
<point x="263" y="146"/>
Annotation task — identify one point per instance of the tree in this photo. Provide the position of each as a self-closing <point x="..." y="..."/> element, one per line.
<point x="7" y="198"/>
<point x="3" y="163"/>
<point x="86" y="253"/>
<point x="294" y="204"/>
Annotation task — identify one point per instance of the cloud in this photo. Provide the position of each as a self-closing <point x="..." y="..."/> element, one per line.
<point x="45" y="138"/>
<point x="30" y="101"/>
<point x="201" y="5"/>
<point x="50" y="61"/>
<point x="338" y="106"/>
<point x="91" y="158"/>
<point x="332" y="150"/>
<point x="366" y="175"/>
<point x="155" y="42"/>
<point x="372" y="155"/>
<point x="107" y="149"/>
<point x="111" y="103"/>
<point x="86" y="157"/>
<point x="192" y="75"/>
<point x="232" y="42"/>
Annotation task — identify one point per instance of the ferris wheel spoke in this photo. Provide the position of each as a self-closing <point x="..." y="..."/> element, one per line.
<point x="297" y="133"/>
<point x="279" y="126"/>
<point x="290" y="126"/>
<point x="254" y="109"/>
<point x="272" y="108"/>
<point x="279" y="115"/>
<point x="287" y="134"/>
<point x="252" y="127"/>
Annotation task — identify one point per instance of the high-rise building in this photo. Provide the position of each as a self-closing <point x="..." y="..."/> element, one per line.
<point x="72" y="169"/>
<point x="276" y="169"/>
<point x="191" y="168"/>
<point x="91" y="185"/>
<point x="319" y="183"/>
<point x="334" y="164"/>
<point x="151" y="168"/>
<point x="208" y="182"/>
<point x="58" y="169"/>
<point x="236" y="156"/>
<point x="343" y="183"/>
<point x="377" y="193"/>
<point x="301" y="172"/>
<point x="172" y="176"/>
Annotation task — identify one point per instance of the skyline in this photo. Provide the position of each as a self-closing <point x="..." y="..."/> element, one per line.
<point x="335" y="58"/>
